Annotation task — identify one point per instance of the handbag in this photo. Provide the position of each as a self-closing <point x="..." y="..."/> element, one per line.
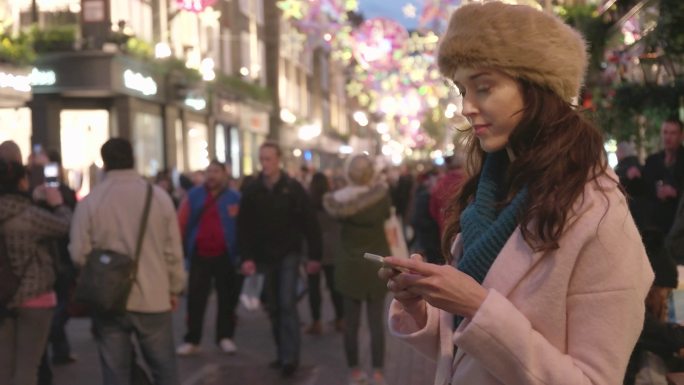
<point x="108" y="276"/>
<point x="395" y="236"/>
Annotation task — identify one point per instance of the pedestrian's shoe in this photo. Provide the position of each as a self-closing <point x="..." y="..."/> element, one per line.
<point x="275" y="364"/>
<point x="288" y="370"/>
<point x="339" y="325"/>
<point x="378" y="378"/>
<point x="187" y="349"/>
<point x="315" y="328"/>
<point x="63" y="359"/>
<point x="228" y="346"/>
<point x="358" y="377"/>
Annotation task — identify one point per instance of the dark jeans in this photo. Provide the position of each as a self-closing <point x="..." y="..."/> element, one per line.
<point x="352" y="315"/>
<point x="154" y="332"/>
<point x="280" y="285"/>
<point x="227" y="282"/>
<point x="315" y="293"/>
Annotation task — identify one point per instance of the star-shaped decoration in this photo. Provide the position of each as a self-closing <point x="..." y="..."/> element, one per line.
<point x="409" y="11"/>
<point x="292" y="9"/>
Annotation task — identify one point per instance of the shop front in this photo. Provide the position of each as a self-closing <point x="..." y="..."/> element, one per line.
<point x="253" y="132"/>
<point x="227" y="133"/>
<point x="92" y="97"/>
<point x="15" y="116"/>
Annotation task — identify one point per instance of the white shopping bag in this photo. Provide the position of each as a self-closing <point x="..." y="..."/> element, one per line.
<point x="395" y="236"/>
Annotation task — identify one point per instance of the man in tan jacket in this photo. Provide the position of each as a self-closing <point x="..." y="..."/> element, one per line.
<point x="109" y="218"/>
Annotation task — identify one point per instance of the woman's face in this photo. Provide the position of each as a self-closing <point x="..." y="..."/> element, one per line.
<point x="492" y="102"/>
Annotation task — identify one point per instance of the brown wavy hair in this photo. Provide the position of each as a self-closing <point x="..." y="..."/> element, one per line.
<point x="557" y="151"/>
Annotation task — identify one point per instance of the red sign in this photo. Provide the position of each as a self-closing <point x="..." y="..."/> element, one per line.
<point x="195" y="5"/>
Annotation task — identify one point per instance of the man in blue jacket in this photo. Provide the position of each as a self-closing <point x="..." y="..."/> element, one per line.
<point x="208" y="221"/>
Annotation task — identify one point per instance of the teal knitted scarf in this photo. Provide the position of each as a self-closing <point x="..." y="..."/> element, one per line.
<point x="484" y="231"/>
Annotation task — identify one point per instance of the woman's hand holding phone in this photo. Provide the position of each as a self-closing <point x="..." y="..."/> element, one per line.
<point x="413" y="303"/>
<point x="442" y="286"/>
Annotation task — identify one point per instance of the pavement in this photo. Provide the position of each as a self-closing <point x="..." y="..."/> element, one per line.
<point x="322" y="356"/>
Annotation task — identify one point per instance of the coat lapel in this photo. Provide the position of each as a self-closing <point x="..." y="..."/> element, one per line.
<point x="515" y="260"/>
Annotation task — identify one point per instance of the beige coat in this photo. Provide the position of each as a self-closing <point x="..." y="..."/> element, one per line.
<point x="109" y="218"/>
<point x="569" y="316"/>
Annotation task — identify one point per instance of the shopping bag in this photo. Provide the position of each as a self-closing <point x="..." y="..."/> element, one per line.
<point x="395" y="236"/>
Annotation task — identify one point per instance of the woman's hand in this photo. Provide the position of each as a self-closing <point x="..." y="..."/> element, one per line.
<point x="442" y="286"/>
<point x="413" y="303"/>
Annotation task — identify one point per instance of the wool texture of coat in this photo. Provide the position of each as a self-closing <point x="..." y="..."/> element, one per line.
<point x="362" y="230"/>
<point x="567" y="316"/>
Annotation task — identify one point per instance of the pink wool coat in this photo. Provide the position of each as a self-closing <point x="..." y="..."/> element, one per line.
<point x="570" y="316"/>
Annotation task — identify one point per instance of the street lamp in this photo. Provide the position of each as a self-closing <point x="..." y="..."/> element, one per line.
<point x="650" y="66"/>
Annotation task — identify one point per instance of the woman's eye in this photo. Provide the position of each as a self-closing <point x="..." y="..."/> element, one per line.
<point x="482" y="89"/>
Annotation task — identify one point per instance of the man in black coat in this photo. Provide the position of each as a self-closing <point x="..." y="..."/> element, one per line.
<point x="275" y="218"/>
<point x="664" y="177"/>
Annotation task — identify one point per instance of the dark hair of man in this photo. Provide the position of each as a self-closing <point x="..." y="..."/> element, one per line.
<point x="557" y="152"/>
<point x="273" y="145"/>
<point x="11" y="173"/>
<point x="218" y="163"/>
<point x="117" y="154"/>
<point x="674" y="120"/>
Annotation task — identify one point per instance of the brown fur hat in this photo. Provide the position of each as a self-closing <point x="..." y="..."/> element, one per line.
<point x="518" y="40"/>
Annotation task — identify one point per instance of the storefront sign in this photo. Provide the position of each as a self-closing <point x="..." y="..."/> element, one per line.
<point x="93" y="11"/>
<point x="42" y="78"/>
<point x="196" y="103"/>
<point x="138" y="82"/>
<point x="19" y="83"/>
<point x="254" y="121"/>
<point x="195" y="5"/>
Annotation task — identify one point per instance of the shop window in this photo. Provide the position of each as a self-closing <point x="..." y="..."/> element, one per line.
<point x="235" y="152"/>
<point x="247" y="153"/>
<point x="180" y="146"/>
<point x="148" y="144"/>
<point x="198" y="146"/>
<point x="16" y="126"/>
<point x="220" y="143"/>
<point x="82" y="134"/>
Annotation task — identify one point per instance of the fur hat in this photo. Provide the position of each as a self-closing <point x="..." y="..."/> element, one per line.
<point x="359" y="169"/>
<point x="518" y="40"/>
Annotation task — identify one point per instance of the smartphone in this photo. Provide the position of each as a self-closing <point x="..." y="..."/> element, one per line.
<point x="51" y="173"/>
<point x="381" y="261"/>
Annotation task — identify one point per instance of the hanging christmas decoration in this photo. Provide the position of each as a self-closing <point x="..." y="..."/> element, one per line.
<point x="377" y="42"/>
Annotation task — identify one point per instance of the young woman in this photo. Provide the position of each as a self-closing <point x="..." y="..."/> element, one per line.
<point x="547" y="274"/>
<point x="25" y="229"/>
<point x="362" y="208"/>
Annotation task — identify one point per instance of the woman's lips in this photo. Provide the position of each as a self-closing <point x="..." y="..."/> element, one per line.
<point x="480" y="129"/>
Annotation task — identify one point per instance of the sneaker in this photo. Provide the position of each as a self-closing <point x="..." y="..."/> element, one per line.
<point x="187" y="349"/>
<point x="358" y="377"/>
<point x="228" y="346"/>
<point x="378" y="378"/>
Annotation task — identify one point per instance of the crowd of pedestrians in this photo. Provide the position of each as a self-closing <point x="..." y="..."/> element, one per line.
<point x="257" y="240"/>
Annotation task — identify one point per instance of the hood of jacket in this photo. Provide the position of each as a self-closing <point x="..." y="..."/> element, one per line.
<point x="351" y="200"/>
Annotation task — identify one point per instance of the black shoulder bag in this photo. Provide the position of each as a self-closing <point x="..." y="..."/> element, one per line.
<point x="108" y="276"/>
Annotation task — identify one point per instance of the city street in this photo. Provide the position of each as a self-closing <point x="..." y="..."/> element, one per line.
<point x="322" y="359"/>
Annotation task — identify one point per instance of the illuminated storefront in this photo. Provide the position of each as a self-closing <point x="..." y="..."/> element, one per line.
<point x="91" y="97"/>
<point x="15" y="117"/>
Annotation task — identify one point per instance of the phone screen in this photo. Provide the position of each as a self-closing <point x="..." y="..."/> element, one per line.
<point x="51" y="173"/>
